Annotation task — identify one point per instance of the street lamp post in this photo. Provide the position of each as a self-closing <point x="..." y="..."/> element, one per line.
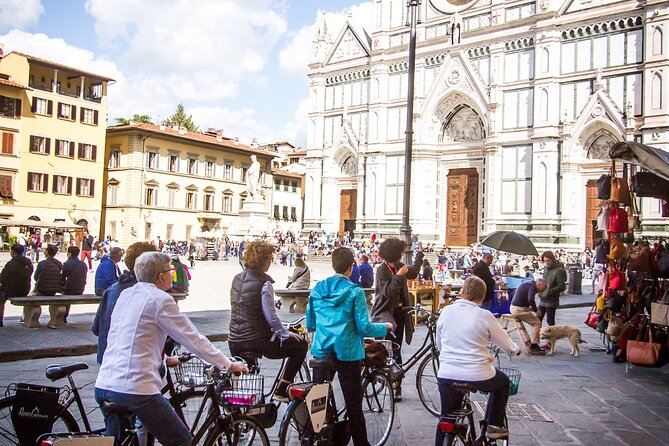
<point x="405" y="229"/>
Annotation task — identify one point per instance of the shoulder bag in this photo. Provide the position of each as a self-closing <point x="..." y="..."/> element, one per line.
<point x="647" y="184"/>
<point x="618" y="220"/>
<point x="603" y="219"/>
<point x="604" y="187"/>
<point x="593" y="317"/>
<point x="618" y="250"/>
<point x="634" y="216"/>
<point x="620" y="191"/>
<point x="643" y="353"/>
<point x="616" y="279"/>
<point x="640" y="259"/>
<point x="659" y="311"/>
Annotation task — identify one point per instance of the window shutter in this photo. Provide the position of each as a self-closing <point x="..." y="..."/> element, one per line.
<point x="74" y="113"/>
<point x="78" y="186"/>
<point x="45" y="182"/>
<point x="94" y="152"/>
<point x="32" y="144"/>
<point x="57" y="145"/>
<point x="71" y="149"/>
<point x="17" y="109"/>
<point x="69" y="185"/>
<point x="81" y="115"/>
<point x="91" y="188"/>
<point x="60" y="109"/>
<point x="30" y="177"/>
<point x="49" y="110"/>
<point x="34" y="106"/>
<point x="47" y="146"/>
<point x="95" y="117"/>
<point x="79" y="152"/>
<point x="6" y="142"/>
<point x="54" y="182"/>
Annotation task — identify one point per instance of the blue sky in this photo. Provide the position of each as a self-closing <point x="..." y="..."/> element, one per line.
<point x="235" y="65"/>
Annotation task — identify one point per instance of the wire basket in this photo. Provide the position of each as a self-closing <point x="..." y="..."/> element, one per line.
<point x="514" y="378"/>
<point x="191" y="373"/>
<point x="388" y="345"/>
<point x="244" y="390"/>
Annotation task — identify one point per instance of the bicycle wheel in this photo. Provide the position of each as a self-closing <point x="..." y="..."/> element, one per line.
<point x="240" y="431"/>
<point x="65" y="422"/>
<point x="427" y="386"/>
<point x="190" y="408"/>
<point x="378" y="407"/>
<point x="303" y="374"/>
<point x="295" y="424"/>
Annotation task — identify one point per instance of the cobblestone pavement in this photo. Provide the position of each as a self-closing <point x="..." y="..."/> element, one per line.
<point x="590" y="400"/>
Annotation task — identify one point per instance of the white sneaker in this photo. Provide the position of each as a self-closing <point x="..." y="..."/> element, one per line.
<point x="496" y="432"/>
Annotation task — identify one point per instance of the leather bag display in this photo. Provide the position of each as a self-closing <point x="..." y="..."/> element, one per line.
<point x="603" y="219"/>
<point x="616" y="279"/>
<point x="659" y="311"/>
<point x="620" y="191"/>
<point x="593" y="318"/>
<point x="643" y="353"/>
<point x="604" y="187"/>
<point x="618" y="220"/>
<point x="618" y="250"/>
<point x="640" y="259"/>
<point x="634" y="217"/>
<point x="647" y="184"/>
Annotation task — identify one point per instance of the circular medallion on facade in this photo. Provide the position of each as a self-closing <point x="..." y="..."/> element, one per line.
<point x="451" y="6"/>
<point x="597" y="111"/>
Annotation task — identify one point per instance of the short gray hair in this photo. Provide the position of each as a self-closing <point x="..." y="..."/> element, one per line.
<point x="149" y="265"/>
<point x="473" y="288"/>
<point x="540" y="281"/>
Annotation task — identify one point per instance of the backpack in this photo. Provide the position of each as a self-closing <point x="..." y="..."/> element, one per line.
<point x="180" y="278"/>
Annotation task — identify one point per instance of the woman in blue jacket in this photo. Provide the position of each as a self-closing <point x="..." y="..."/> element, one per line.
<point x="337" y="312"/>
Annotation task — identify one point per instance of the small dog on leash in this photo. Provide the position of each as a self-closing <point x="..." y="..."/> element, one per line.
<point x="553" y="333"/>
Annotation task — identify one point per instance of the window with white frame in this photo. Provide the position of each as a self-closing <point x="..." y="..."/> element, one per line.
<point x="85" y="187"/>
<point x="192" y="166"/>
<point x="171" y="197"/>
<point x="518" y="108"/>
<point x="277" y="184"/>
<point x="89" y="116"/>
<point x="38" y="182"/>
<point x="397" y="117"/>
<point x="227" y="204"/>
<point x="394" y="184"/>
<point x="151" y="196"/>
<point x="208" y="202"/>
<point x="65" y="148"/>
<point x="517" y="180"/>
<point x="602" y="51"/>
<point x="87" y="151"/>
<point x="173" y="163"/>
<point x="113" y="194"/>
<point x="293" y="185"/>
<point x="227" y="171"/>
<point x="62" y="185"/>
<point x="152" y="159"/>
<point x="519" y="65"/>
<point x="66" y="111"/>
<point x="42" y="106"/>
<point x="209" y="168"/>
<point x="40" y="144"/>
<point x="115" y="158"/>
<point x="190" y="200"/>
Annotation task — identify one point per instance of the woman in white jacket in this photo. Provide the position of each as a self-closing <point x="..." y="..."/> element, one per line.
<point x="464" y="331"/>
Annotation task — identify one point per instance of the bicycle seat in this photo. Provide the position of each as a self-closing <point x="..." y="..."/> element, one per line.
<point x="116" y="409"/>
<point x="251" y="358"/>
<point x="326" y="362"/>
<point x="56" y="371"/>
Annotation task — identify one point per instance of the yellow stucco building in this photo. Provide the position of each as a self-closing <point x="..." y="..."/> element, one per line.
<point x="53" y="136"/>
<point x="170" y="183"/>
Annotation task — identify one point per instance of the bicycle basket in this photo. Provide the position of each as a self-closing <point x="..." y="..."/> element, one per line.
<point x="191" y="373"/>
<point x="244" y="390"/>
<point x="514" y="378"/>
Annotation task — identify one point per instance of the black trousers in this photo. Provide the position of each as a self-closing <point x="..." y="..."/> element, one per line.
<point x="351" y="388"/>
<point x="549" y="313"/>
<point x="293" y="349"/>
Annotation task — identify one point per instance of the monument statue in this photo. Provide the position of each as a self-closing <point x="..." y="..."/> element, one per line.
<point x="252" y="177"/>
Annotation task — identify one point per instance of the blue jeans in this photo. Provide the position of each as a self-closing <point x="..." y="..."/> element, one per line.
<point x="155" y="412"/>
<point x="497" y="387"/>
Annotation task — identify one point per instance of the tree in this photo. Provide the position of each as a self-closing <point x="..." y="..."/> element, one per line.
<point x="179" y="117"/>
<point x="146" y="119"/>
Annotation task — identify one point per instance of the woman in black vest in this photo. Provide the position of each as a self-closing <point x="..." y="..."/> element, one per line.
<point x="255" y="329"/>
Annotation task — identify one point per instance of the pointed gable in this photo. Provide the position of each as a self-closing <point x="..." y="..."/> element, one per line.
<point x="571" y="6"/>
<point x="350" y="44"/>
<point x="345" y="137"/>
<point x="600" y="107"/>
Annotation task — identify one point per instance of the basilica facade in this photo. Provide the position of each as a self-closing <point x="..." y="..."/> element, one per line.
<point x="516" y="104"/>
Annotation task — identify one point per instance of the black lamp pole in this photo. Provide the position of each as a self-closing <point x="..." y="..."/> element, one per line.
<point x="405" y="229"/>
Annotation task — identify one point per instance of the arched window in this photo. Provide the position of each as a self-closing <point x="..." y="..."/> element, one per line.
<point x="542" y="184"/>
<point x="543" y="105"/>
<point x="656" y="40"/>
<point x="545" y="60"/>
<point x="656" y="92"/>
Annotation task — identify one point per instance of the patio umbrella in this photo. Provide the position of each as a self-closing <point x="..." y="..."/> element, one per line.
<point x="510" y="241"/>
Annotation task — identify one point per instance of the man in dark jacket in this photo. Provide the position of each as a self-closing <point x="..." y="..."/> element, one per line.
<point x="14" y="278"/>
<point x="366" y="273"/>
<point x="482" y="270"/>
<point x="108" y="271"/>
<point x="73" y="275"/>
<point x="47" y="274"/>
<point x="87" y="248"/>
<point x="103" y="316"/>
<point x="556" y="282"/>
<point x="524" y="308"/>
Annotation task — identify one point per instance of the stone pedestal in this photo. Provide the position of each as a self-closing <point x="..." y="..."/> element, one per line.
<point x="253" y="218"/>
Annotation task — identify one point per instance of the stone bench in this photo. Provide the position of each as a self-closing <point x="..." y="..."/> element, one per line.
<point x="32" y="307"/>
<point x="296" y="300"/>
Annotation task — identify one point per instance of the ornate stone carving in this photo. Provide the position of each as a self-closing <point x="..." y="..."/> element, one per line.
<point x="655" y="136"/>
<point x="599" y="148"/>
<point x="348" y="48"/>
<point x="350" y="166"/>
<point x="464" y="126"/>
<point x="454" y="76"/>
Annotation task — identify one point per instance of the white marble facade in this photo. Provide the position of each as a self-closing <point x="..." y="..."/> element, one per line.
<point x="529" y="94"/>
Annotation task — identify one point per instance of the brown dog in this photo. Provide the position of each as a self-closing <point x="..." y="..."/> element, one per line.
<point x="553" y="333"/>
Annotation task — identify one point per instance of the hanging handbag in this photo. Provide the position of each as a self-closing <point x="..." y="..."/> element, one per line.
<point x="604" y="187"/>
<point x="616" y="279"/>
<point x="634" y="220"/>
<point x="615" y="327"/>
<point x="603" y="219"/>
<point x="659" y="311"/>
<point x="593" y="317"/>
<point x="600" y="302"/>
<point x="620" y="191"/>
<point x="662" y="266"/>
<point x="647" y="184"/>
<point x="615" y="302"/>
<point x="603" y="322"/>
<point x="640" y="259"/>
<point x="618" y="220"/>
<point x="618" y="250"/>
<point x="643" y="353"/>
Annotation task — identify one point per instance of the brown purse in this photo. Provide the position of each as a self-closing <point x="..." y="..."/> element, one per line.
<point x="634" y="217"/>
<point x="620" y="190"/>
<point x="643" y="353"/>
<point x="376" y="354"/>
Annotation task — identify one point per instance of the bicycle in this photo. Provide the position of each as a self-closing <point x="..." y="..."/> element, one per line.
<point x="312" y="416"/>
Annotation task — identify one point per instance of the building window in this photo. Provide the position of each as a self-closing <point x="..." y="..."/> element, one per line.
<point x="285" y="185"/>
<point x="168" y="233"/>
<point x="285" y="212"/>
<point x="394" y="184"/>
<point x="10" y="107"/>
<point x="6" y="186"/>
<point x="227" y="171"/>
<point x="189" y="229"/>
<point x="151" y="196"/>
<point x="602" y="51"/>
<point x="7" y="143"/>
<point x="277" y="184"/>
<point x="517" y="180"/>
<point x="62" y="185"/>
<point x="171" y="195"/>
<point x="40" y="144"/>
<point x="115" y="158"/>
<point x="190" y="200"/>
<point x="85" y="187"/>
<point x="293" y="213"/>
<point x="397" y="117"/>
<point x="192" y="166"/>
<point x="277" y="214"/>
<point x="38" y="182"/>
<point x="67" y="111"/>
<point x="112" y="229"/>
<point x="152" y="160"/>
<point x="113" y="194"/>
<point x="244" y="169"/>
<point x="209" y="169"/>
<point x="518" y="109"/>
<point x="42" y="106"/>
<point x="87" y="152"/>
<point x="227" y="204"/>
<point x="65" y="148"/>
<point x="208" y="202"/>
<point x="89" y="116"/>
<point x="519" y="65"/>
<point x="173" y="162"/>
<point x="293" y="185"/>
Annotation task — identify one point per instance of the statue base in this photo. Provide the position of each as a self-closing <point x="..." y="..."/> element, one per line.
<point x="253" y="218"/>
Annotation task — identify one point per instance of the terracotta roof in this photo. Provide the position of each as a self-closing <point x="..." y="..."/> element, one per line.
<point x="285" y="173"/>
<point x="13" y="84"/>
<point x="61" y="66"/>
<point x="300" y="153"/>
<point x="193" y="136"/>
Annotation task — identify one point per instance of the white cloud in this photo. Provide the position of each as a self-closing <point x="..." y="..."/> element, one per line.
<point x="235" y="123"/>
<point x="19" y="13"/>
<point x="295" y="131"/>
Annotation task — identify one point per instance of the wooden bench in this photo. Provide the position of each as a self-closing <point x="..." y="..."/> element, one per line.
<point x="296" y="300"/>
<point x="32" y="307"/>
<point x="512" y="325"/>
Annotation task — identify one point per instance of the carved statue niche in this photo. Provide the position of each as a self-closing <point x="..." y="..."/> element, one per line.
<point x="463" y="125"/>
<point x="599" y="148"/>
<point x="350" y="166"/>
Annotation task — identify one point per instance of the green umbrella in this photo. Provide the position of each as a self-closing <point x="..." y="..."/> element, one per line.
<point x="510" y="241"/>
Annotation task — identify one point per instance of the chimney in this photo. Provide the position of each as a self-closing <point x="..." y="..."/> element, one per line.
<point x="219" y="135"/>
<point x="176" y="127"/>
<point x="254" y="143"/>
<point x="182" y="131"/>
<point x="236" y="140"/>
<point x="162" y="125"/>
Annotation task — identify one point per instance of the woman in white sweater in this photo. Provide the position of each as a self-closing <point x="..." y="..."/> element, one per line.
<point x="464" y="331"/>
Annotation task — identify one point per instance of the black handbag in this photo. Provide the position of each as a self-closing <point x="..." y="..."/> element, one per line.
<point x="647" y="184"/>
<point x="604" y="187"/>
<point x="615" y="302"/>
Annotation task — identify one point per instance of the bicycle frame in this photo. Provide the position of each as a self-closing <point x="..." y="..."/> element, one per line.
<point x="429" y="345"/>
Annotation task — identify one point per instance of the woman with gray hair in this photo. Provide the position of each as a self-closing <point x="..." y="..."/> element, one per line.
<point x="129" y="376"/>
<point x="301" y="278"/>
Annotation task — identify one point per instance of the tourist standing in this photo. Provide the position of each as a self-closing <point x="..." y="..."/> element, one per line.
<point x="87" y="248"/>
<point x="556" y="282"/>
<point x="108" y="271"/>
